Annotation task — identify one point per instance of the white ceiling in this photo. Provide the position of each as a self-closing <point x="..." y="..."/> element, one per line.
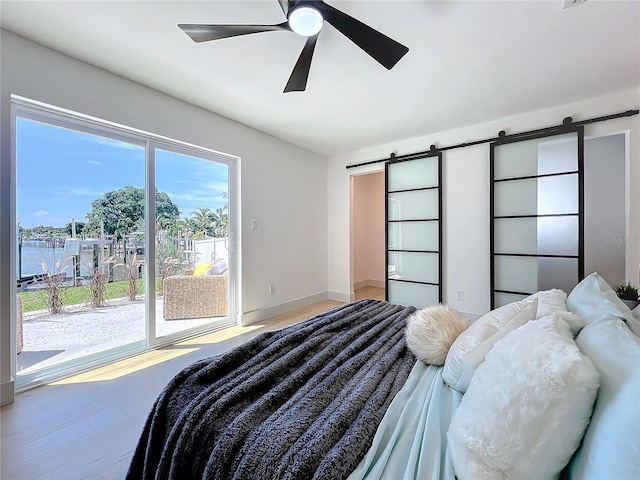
<point x="468" y="61"/>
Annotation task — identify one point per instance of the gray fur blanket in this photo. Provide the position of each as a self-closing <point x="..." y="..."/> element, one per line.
<point x="301" y="402"/>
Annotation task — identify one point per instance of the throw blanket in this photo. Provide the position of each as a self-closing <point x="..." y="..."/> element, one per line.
<point x="301" y="402"/>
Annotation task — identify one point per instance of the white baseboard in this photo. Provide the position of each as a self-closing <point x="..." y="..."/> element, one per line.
<point x="7" y="392"/>
<point x="341" y="297"/>
<point x="260" y="314"/>
<point x="369" y="283"/>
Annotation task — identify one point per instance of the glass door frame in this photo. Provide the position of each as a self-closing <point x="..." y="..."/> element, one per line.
<point x="507" y="139"/>
<point x="28" y="109"/>
<point x="150" y="226"/>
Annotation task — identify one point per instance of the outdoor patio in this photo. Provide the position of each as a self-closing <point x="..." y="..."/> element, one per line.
<point x="52" y="339"/>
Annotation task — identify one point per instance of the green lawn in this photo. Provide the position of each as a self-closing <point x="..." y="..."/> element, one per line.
<point x="36" y="300"/>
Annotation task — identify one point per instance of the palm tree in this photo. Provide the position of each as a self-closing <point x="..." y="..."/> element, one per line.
<point x="203" y="221"/>
<point x="180" y="226"/>
<point x="221" y="222"/>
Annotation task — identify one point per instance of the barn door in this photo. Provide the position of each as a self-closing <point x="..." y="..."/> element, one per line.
<point x="537" y="214"/>
<point x="414" y="230"/>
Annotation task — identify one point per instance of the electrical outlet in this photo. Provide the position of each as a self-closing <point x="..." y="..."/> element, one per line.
<point x="272" y="289"/>
<point x="460" y="295"/>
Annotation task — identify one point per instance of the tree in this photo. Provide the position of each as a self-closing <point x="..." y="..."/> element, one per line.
<point x="202" y="222"/>
<point x="166" y="211"/>
<point x="208" y="223"/>
<point x="221" y="222"/>
<point x="179" y="227"/>
<point x="122" y="211"/>
<point x="79" y="228"/>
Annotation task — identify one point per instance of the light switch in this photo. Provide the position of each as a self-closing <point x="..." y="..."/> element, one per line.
<point x="254" y="224"/>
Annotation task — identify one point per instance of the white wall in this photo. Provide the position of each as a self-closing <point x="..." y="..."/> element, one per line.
<point x="283" y="187"/>
<point x="466" y="195"/>
<point x="604" y="160"/>
<point x="368" y="229"/>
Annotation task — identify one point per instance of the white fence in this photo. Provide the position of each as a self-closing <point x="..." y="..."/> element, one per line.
<point x="211" y="250"/>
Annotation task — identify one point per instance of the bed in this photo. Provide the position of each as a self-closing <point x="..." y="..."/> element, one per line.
<point x="342" y="396"/>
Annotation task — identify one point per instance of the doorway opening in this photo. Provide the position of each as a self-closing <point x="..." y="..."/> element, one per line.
<point x="368" y="236"/>
<point x="607" y="237"/>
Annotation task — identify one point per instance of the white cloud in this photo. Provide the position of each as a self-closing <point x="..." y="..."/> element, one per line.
<point x="41" y="213"/>
<point x="94" y="162"/>
<point x="202" y="192"/>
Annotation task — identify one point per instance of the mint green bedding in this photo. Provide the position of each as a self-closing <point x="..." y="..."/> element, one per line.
<point x="411" y="441"/>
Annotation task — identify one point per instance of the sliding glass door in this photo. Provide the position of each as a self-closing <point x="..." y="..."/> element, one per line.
<point x="414" y="232"/>
<point x="193" y="260"/>
<point x="96" y="276"/>
<point x="79" y="194"/>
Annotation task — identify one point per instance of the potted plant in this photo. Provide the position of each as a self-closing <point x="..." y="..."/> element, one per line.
<point x="628" y="294"/>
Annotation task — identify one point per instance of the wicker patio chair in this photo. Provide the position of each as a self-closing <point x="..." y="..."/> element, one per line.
<point x="195" y="296"/>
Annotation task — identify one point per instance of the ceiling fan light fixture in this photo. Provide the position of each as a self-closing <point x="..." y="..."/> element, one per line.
<point x="305" y="21"/>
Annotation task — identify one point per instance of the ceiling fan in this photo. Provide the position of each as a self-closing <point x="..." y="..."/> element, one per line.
<point x="306" y="18"/>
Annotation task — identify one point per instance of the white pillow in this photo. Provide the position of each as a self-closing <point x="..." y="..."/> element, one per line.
<point x="554" y="302"/>
<point x="526" y="408"/>
<point x="431" y="331"/>
<point x="593" y="299"/>
<point x="611" y="444"/>
<point x="470" y="348"/>
<point x="634" y="322"/>
<point x="217" y="268"/>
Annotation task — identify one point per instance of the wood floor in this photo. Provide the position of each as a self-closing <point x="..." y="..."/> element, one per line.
<point x="87" y="426"/>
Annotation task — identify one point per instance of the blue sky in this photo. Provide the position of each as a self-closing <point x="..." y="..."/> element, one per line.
<point x="60" y="172"/>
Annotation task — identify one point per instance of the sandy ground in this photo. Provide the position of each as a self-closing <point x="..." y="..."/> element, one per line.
<point x="52" y="339"/>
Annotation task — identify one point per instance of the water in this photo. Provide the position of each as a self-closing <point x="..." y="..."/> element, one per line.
<point x="33" y="255"/>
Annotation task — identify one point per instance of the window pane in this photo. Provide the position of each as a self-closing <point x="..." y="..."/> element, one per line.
<point x="502" y="299"/>
<point x="421" y="173"/>
<point x="537" y="196"/>
<point x="543" y="235"/>
<point x="559" y="273"/>
<point x="416" y="294"/>
<point x="536" y="157"/>
<point x="413" y="236"/>
<point x="192" y="251"/>
<point x="417" y="267"/>
<point x="531" y="274"/>
<point x="516" y="274"/>
<point x="420" y="205"/>
<point x="80" y="208"/>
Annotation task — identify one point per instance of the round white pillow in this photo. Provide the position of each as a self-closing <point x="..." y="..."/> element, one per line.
<point x="432" y="330"/>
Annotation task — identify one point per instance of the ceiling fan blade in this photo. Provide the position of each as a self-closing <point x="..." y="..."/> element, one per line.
<point x="284" y="5"/>
<point x="205" y="33"/>
<point x="298" y="79"/>
<point x="381" y="48"/>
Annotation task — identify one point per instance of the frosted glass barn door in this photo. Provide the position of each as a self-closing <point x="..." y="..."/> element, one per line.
<point x="414" y="233"/>
<point x="537" y="219"/>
